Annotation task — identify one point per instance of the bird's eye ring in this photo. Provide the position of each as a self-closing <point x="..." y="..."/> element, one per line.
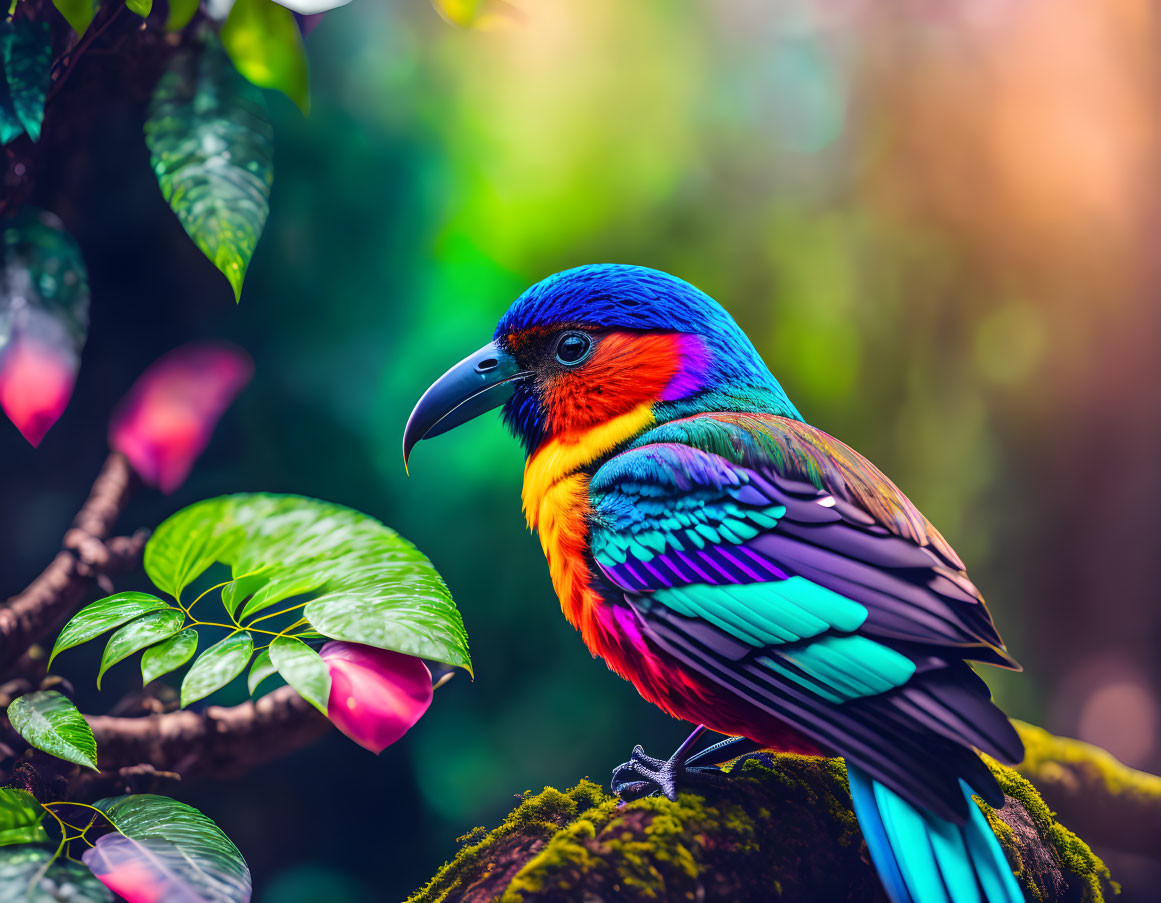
<point x="573" y="348"/>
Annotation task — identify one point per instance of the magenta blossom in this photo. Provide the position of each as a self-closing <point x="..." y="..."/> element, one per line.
<point x="36" y="382"/>
<point x="167" y="418"/>
<point x="376" y="695"/>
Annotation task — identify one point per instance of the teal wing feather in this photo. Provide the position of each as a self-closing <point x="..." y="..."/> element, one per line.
<point x="786" y="568"/>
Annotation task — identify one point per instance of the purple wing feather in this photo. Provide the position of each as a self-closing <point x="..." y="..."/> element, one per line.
<point x="846" y="527"/>
<point x="725" y="499"/>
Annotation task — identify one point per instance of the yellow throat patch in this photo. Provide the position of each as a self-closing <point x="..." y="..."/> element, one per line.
<point x="556" y="505"/>
<point x="565" y="455"/>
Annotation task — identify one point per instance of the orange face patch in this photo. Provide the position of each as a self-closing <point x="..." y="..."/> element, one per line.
<point x="625" y="370"/>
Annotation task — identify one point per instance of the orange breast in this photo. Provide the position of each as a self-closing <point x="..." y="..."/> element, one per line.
<point x="556" y="505"/>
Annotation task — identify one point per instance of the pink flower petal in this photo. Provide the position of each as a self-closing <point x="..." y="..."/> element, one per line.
<point x="156" y="870"/>
<point x="36" y="382"/>
<point x="376" y="695"/>
<point x="134" y="882"/>
<point x="167" y="418"/>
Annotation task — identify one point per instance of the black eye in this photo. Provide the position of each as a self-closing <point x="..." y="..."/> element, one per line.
<point x="573" y="348"/>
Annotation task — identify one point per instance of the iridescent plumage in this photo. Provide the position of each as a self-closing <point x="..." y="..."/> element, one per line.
<point x="748" y="572"/>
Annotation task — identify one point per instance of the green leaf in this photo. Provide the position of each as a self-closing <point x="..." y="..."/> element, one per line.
<point x="51" y="723"/>
<point x="237" y="590"/>
<point x="104" y="614"/>
<point x="216" y="667"/>
<point x="139" y="634"/>
<point x="278" y="589"/>
<point x="180" y="14"/>
<point x="78" y="13"/>
<point x="140" y="7"/>
<point x="265" y="43"/>
<point x="186" y="856"/>
<point x="186" y="544"/>
<point x="211" y="144"/>
<point x="260" y="670"/>
<point x="369" y="584"/>
<point x="20" y="817"/>
<point x="10" y="127"/>
<point x="44" y="314"/>
<point x="58" y="881"/>
<point x="169" y="655"/>
<point x="302" y="668"/>
<point x="27" y="52"/>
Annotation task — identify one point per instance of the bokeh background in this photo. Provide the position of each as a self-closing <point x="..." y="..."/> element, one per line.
<point x="938" y="222"/>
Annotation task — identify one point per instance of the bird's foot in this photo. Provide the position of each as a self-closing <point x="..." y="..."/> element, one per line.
<point x="643" y="775"/>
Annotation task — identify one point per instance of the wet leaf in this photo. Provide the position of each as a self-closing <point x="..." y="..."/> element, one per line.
<point x="78" y="13"/>
<point x="21" y="817"/>
<point x="140" y="7"/>
<point x="302" y="668"/>
<point x="188" y="543"/>
<point x="364" y="582"/>
<point x="265" y="43"/>
<point x="58" y="881"/>
<point x="138" y="635"/>
<point x="52" y="724"/>
<point x="44" y="317"/>
<point x="279" y="589"/>
<point x="10" y="127"/>
<point x="166" y="850"/>
<point x="27" y="53"/>
<point x="104" y="614"/>
<point x="181" y="12"/>
<point x="216" y="667"/>
<point x="260" y="670"/>
<point x="211" y="143"/>
<point x="168" y="655"/>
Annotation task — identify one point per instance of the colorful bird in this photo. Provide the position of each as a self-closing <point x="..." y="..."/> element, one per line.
<point x="745" y="571"/>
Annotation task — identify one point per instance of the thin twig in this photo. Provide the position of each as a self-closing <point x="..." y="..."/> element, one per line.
<point x="71" y="58"/>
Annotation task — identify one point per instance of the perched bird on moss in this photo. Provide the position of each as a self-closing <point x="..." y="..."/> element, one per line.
<point x="745" y="571"/>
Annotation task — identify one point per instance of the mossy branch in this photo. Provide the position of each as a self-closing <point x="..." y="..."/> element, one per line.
<point x="1108" y="803"/>
<point x="781" y="828"/>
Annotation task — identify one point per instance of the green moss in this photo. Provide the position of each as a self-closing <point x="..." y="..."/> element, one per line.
<point x="780" y="827"/>
<point x="1049" y="757"/>
<point x="1072" y="853"/>
<point x="474" y="835"/>
<point x="641" y="862"/>
<point x="539" y="816"/>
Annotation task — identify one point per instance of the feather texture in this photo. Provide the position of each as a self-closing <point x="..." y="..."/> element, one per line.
<point x="789" y="573"/>
<point x="747" y="571"/>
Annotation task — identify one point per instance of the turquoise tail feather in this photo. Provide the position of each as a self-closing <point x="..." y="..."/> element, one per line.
<point x="922" y="858"/>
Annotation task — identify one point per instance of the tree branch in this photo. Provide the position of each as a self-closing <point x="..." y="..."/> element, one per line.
<point x="85" y="556"/>
<point x="218" y="742"/>
<point x="1106" y="802"/>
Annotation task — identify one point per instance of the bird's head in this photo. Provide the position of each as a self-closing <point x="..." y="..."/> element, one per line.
<point x="594" y="343"/>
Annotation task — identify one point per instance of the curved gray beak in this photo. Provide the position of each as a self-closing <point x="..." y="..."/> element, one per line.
<point x="477" y="384"/>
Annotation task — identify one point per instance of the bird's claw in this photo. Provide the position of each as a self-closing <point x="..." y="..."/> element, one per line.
<point x="643" y="775"/>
